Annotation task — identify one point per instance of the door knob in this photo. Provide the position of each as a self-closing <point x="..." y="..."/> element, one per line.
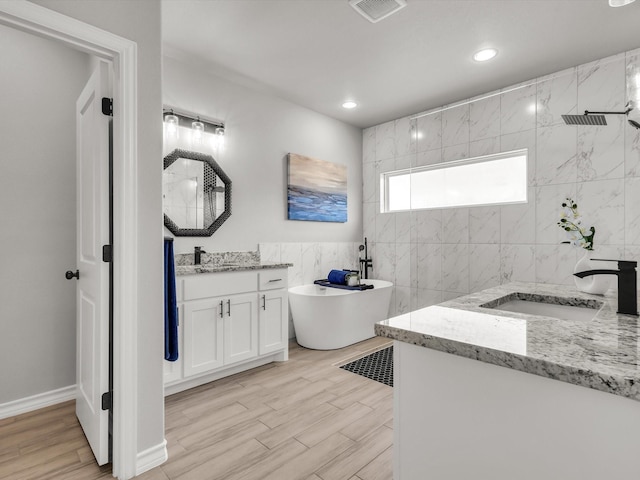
<point x="69" y="274"/>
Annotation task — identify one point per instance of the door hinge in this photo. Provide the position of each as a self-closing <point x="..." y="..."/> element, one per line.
<point x="107" y="254"/>
<point x="107" y="399"/>
<point x="107" y="106"/>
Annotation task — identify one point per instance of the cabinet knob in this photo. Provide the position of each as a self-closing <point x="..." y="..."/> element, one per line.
<point x="221" y="309"/>
<point x="264" y="302"/>
<point x="229" y="307"/>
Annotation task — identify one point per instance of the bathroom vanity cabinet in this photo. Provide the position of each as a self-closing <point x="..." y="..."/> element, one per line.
<point x="229" y="322"/>
<point x="492" y="394"/>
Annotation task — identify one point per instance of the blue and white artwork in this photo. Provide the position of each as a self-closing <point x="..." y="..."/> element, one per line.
<point x="317" y="190"/>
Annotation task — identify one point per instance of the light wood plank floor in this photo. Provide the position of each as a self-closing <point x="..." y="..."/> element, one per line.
<point x="302" y="419"/>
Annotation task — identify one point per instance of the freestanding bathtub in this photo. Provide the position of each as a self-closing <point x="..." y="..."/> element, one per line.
<point x="327" y="318"/>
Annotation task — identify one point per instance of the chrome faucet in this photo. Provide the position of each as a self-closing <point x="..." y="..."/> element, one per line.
<point x="365" y="263"/>
<point x="197" y="255"/>
<point x="627" y="284"/>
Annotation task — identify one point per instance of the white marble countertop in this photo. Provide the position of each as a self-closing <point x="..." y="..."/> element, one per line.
<point x="602" y="353"/>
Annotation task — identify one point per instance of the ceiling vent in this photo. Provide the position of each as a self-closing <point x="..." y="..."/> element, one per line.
<point x="376" y="10"/>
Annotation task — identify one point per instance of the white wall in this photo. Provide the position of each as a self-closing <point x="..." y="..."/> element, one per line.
<point x="260" y="131"/>
<point x="40" y="81"/>
<point x="139" y="21"/>
<point x="435" y="255"/>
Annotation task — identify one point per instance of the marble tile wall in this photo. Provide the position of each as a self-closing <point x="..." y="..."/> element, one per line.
<point x="436" y="255"/>
<point x="311" y="261"/>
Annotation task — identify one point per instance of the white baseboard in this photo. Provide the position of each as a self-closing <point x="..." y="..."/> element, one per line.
<point x="151" y="458"/>
<point x="41" y="400"/>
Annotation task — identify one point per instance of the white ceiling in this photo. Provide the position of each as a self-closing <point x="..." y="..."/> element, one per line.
<point x="319" y="53"/>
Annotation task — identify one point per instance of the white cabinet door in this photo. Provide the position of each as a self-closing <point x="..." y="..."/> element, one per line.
<point x="202" y="340"/>
<point x="173" y="370"/>
<point x="240" y="328"/>
<point x="274" y="333"/>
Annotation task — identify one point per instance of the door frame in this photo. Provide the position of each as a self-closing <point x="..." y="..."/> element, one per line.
<point x="122" y="54"/>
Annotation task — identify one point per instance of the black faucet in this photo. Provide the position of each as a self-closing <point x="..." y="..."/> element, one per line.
<point x="197" y="255"/>
<point x="627" y="284"/>
<point x="365" y="263"/>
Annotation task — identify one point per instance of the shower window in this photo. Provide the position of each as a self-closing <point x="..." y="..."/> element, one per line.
<point x="488" y="180"/>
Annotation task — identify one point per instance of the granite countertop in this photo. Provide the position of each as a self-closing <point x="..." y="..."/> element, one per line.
<point x="214" y="268"/>
<point x="223" y="262"/>
<point x="602" y="353"/>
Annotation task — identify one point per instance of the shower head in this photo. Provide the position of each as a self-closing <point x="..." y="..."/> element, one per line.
<point x="593" y="118"/>
<point x="634" y="124"/>
<point x="585" y="119"/>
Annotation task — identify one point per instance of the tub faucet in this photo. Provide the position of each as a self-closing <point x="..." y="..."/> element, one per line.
<point x="627" y="284"/>
<point x="365" y="263"/>
<point x="197" y="255"/>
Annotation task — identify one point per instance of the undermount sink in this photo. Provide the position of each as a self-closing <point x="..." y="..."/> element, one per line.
<point x="556" y="307"/>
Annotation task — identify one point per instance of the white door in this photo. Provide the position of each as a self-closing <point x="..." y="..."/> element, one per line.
<point x="92" y="342"/>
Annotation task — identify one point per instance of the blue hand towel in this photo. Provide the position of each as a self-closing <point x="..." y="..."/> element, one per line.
<point x="170" y="304"/>
<point x="338" y="276"/>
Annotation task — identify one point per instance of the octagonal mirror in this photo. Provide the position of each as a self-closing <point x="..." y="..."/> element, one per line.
<point x="196" y="194"/>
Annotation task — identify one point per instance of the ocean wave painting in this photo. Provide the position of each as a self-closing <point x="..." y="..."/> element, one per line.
<point x="317" y="190"/>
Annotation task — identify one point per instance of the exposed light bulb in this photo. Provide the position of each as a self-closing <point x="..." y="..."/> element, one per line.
<point x="171" y="123"/>
<point x="484" y="55"/>
<point x="198" y="131"/>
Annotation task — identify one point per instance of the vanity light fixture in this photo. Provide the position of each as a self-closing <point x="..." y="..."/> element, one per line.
<point x="349" y="105"/>
<point x="199" y="126"/>
<point x="484" y="55"/>
<point x="620" y="3"/>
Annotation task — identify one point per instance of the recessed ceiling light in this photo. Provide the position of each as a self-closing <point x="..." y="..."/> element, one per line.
<point x="349" y="105"/>
<point x="484" y="55"/>
<point x="620" y="3"/>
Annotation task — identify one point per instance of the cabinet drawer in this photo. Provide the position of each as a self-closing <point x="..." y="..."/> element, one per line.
<point x="272" y="279"/>
<point x="207" y="285"/>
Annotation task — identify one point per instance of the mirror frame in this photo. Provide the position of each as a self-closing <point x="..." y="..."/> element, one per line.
<point x="220" y="219"/>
